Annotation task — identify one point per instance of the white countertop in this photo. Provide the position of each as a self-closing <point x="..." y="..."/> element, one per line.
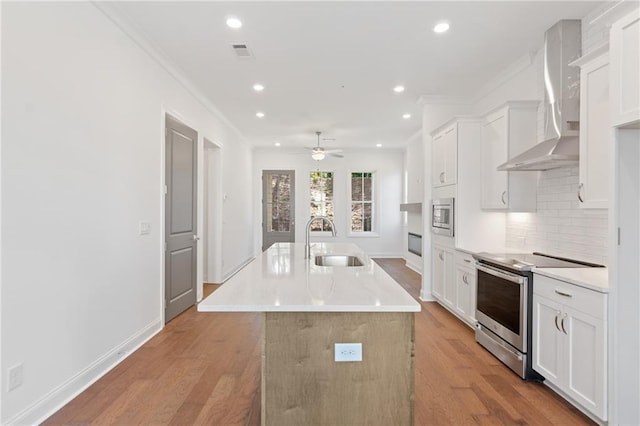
<point x="281" y="280"/>
<point x="592" y="278"/>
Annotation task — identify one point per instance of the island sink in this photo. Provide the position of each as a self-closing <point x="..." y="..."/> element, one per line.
<point x="338" y="260"/>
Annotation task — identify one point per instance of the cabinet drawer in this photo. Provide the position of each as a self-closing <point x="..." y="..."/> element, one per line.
<point x="581" y="299"/>
<point x="464" y="259"/>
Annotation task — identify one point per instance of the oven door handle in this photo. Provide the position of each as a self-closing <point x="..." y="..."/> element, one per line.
<point x="517" y="279"/>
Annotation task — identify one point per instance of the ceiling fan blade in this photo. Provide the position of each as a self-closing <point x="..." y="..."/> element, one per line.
<point x="332" y="151"/>
<point x="336" y="155"/>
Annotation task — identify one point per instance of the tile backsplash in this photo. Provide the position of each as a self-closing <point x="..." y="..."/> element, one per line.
<point x="560" y="227"/>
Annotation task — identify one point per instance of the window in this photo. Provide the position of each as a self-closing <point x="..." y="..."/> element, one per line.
<point x="321" y="186"/>
<point x="362" y="202"/>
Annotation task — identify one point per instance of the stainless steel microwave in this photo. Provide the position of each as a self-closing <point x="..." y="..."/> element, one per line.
<point x="442" y="216"/>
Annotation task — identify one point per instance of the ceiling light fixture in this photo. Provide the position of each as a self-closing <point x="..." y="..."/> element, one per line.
<point x="317" y="156"/>
<point x="441" y="27"/>
<point x="378" y="145"/>
<point x="260" y="114"/>
<point x="406" y="116"/>
<point x="258" y="87"/>
<point x="398" y="89"/>
<point x="277" y="144"/>
<point x="234" y="23"/>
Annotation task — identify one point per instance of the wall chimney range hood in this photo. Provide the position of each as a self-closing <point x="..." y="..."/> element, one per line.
<point x="561" y="147"/>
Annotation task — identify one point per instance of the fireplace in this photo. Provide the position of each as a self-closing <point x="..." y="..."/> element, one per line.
<point x="415" y="244"/>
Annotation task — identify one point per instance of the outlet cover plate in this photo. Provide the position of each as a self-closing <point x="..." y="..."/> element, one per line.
<point x="348" y="352"/>
<point x="15" y="377"/>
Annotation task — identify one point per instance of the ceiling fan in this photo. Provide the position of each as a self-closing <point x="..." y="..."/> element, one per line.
<point x="318" y="153"/>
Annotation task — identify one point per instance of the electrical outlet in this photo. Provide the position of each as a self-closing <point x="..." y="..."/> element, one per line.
<point x="15" y="377"/>
<point x="144" y="228"/>
<point x="348" y="352"/>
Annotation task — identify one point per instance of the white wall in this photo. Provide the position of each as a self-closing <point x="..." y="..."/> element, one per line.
<point x="82" y="164"/>
<point x="414" y="193"/>
<point x="388" y="165"/>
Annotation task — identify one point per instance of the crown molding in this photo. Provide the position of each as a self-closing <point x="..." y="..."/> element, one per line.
<point x="443" y="100"/>
<point x="511" y="71"/>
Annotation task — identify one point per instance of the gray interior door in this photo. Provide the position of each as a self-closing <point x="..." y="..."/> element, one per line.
<point x="278" y="207"/>
<point x="180" y="218"/>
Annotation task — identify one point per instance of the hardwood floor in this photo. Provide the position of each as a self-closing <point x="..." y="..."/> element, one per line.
<point x="204" y="368"/>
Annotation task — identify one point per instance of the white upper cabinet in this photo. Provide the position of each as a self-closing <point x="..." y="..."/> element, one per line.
<point x="445" y="156"/>
<point x="595" y="130"/>
<point x="507" y="132"/>
<point x="624" y="40"/>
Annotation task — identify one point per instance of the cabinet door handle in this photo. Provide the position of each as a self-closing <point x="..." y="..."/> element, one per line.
<point x="562" y="324"/>
<point x="441" y="177"/>
<point x="556" y="320"/>
<point x="563" y="294"/>
<point x="464" y="278"/>
<point x="502" y="197"/>
<point x="580" y="191"/>
<point x="441" y="256"/>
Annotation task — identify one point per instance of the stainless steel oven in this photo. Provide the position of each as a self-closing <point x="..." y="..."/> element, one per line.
<point x="502" y="312"/>
<point x="442" y="216"/>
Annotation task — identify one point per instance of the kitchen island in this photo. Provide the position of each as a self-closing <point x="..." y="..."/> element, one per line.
<point x="307" y="310"/>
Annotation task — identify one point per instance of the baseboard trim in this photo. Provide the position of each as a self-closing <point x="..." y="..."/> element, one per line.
<point x="60" y="396"/>
<point x="413" y="267"/>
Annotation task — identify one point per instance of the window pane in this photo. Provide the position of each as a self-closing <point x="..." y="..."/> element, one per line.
<point x="321" y="192"/>
<point x="356" y="186"/>
<point x="367" y="187"/>
<point x="356" y="217"/>
<point x="278" y="207"/>
<point x="368" y="218"/>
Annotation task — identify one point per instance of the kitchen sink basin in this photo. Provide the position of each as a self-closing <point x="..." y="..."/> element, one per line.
<point x="338" y="260"/>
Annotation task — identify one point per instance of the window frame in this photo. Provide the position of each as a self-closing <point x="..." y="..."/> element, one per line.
<point x="375" y="224"/>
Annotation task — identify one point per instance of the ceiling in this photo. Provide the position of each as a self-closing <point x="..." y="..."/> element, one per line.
<point x="331" y="66"/>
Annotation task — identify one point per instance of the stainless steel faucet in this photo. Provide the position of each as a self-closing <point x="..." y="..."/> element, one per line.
<point x="307" y="247"/>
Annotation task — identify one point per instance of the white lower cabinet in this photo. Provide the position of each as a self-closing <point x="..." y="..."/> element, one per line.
<point x="443" y="280"/>
<point x="454" y="282"/>
<point x="465" y="305"/>
<point x="570" y="341"/>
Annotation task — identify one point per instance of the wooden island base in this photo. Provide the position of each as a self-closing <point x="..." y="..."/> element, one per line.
<point x="303" y="385"/>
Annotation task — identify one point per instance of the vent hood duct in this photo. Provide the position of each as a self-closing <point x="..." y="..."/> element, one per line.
<point x="561" y="147"/>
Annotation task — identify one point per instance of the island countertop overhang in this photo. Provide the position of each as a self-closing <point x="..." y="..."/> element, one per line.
<point x="282" y="280"/>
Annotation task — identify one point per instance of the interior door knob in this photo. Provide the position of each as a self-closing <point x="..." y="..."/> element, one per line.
<point x="195" y="238"/>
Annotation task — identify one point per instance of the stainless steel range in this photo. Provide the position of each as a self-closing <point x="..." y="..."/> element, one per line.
<point x="504" y="305"/>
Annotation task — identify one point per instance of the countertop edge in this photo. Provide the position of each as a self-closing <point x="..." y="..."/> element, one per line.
<point x="553" y="273"/>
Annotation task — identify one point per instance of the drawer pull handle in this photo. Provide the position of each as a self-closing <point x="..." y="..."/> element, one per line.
<point x="579" y="192"/>
<point x="562" y="324"/>
<point x="467" y="260"/>
<point x="563" y="294"/>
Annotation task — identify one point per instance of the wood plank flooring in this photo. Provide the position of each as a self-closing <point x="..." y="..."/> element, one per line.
<point x="204" y="368"/>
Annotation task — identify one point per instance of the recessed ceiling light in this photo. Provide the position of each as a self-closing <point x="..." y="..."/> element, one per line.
<point x="398" y="89"/>
<point x="234" y="23"/>
<point x="258" y="87"/>
<point x="406" y="116"/>
<point x="260" y="114"/>
<point x="277" y="144"/>
<point x="378" y="145"/>
<point x="441" y="27"/>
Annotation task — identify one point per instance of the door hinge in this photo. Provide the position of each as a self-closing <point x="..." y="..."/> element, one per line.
<point x="165" y="303"/>
<point x="165" y="246"/>
<point x="166" y="131"/>
<point x="166" y="189"/>
<point x="618" y="236"/>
